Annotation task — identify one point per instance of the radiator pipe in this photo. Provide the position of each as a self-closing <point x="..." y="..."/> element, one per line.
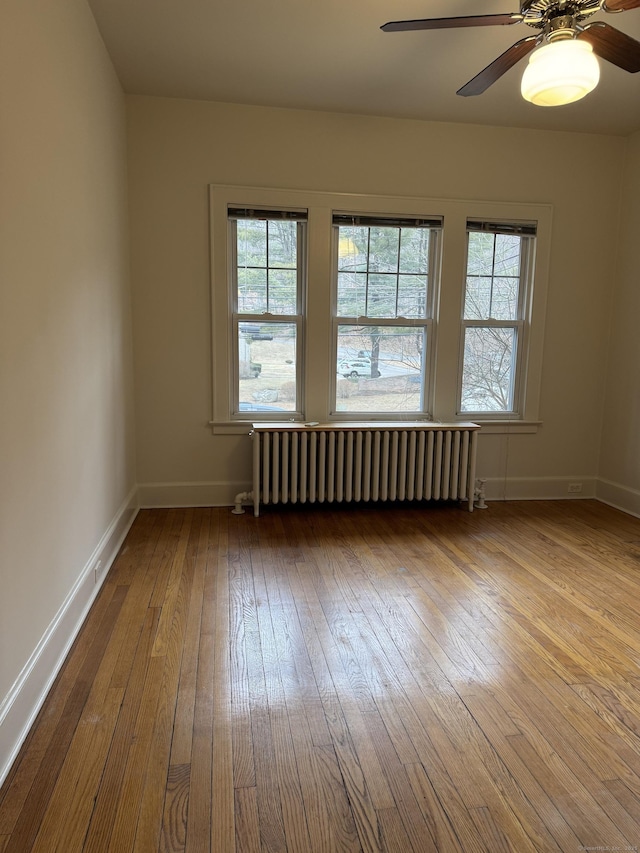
<point x="239" y="498"/>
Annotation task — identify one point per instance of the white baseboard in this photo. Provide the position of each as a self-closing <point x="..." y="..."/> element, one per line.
<point x="619" y="496"/>
<point x="157" y="495"/>
<point x="557" y="488"/>
<point x="20" y="706"/>
<point x="539" y="488"/>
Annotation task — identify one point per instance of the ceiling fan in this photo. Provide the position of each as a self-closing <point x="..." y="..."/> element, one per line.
<point x="561" y="31"/>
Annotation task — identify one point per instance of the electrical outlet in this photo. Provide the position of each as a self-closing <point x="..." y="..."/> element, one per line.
<point x="574" y="488"/>
<point x="96" y="571"/>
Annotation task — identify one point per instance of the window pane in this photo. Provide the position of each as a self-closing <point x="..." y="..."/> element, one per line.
<point x="414" y="250"/>
<point x="380" y="369"/>
<point x="477" y="300"/>
<point x="283" y="291"/>
<point x="353" y="248"/>
<point x="283" y="243"/>
<point x="504" y="299"/>
<point x="412" y="296"/>
<point x="252" y="291"/>
<point x="352" y="294"/>
<point x="487" y="373"/>
<point x="384" y="247"/>
<point x="381" y="296"/>
<point x="267" y="367"/>
<point x="252" y="243"/>
<point x="480" y="253"/>
<point x="507" y="255"/>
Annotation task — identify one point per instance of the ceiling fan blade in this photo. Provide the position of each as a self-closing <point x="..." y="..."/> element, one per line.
<point x="445" y="23"/>
<point x="620" y="5"/>
<point x="612" y="45"/>
<point x="498" y="67"/>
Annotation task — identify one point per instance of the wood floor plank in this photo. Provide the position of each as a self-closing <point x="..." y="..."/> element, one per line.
<point x="494" y="838"/>
<point x="64" y="825"/>
<point x="247" y="820"/>
<point x="553" y="831"/>
<point x="450" y="827"/>
<point x="334" y="827"/>
<point x="198" y="834"/>
<point x="339" y="703"/>
<point x="555" y="717"/>
<point x="416" y="827"/>
<point x="589" y="823"/>
<point x="607" y="635"/>
<point x="31" y="815"/>
<point x="54" y="723"/>
<point x="151" y="561"/>
<point x="168" y="647"/>
<point x="559" y="705"/>
<point x="288" y="694"/>
<point x="176" y="805"/>
<point x="305" y="680"/>
<point x="240" y="597"/>
<point x="194" y="571"/>
<point x="126" y="808"/>
<point x="128" y="673"/>
<point x="394" y="838"/>
<point x="101" y="823"/>
<point x="294" y="818"/>
<point x="341" y="678"/>
<point x="223" y="827"/>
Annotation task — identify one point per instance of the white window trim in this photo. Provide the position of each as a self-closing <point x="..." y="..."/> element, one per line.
<point x="317" y="356"/>
<point x="522" y="326"/>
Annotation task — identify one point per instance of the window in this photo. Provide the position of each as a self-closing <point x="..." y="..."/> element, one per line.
<point x="333" y="306"/>
<point x="267" y="249"/>
<point x="494" y="324"/>
<point x="384" y="271"/>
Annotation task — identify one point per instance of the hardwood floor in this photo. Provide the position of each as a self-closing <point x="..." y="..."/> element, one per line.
<point x="348" y="680"/>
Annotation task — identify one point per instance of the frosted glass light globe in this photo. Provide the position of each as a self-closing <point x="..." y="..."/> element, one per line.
<point x="560" y="72"/>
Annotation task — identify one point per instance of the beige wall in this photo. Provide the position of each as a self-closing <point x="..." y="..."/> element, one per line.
<point x="177" y="147"/>
<point x="66" y="416"/>
<point x="620" y="459"/>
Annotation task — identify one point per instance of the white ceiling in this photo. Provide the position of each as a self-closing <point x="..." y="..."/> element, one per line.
<point x="331" y="55"/>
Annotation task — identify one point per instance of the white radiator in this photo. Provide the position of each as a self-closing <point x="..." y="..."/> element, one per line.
<point x="298" y="463"/>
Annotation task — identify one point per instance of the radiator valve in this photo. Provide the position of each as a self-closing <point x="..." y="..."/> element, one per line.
<point x="479" y="495"/>
<point x="239" y="498"/>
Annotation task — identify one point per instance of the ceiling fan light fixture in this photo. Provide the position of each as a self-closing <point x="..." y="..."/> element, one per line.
<point x="560" y="72"/>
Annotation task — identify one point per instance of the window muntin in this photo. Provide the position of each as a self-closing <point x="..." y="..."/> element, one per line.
<point x="383" y="313"/>
<point x="267" y="250"/>
<point x="494" y="317"/>
<point x="383" y="271"/>
<point x="266" y="266"/>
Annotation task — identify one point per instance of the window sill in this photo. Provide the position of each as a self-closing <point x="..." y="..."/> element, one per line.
<point x="495" y="427"/>
<point x="498" y="427"/>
